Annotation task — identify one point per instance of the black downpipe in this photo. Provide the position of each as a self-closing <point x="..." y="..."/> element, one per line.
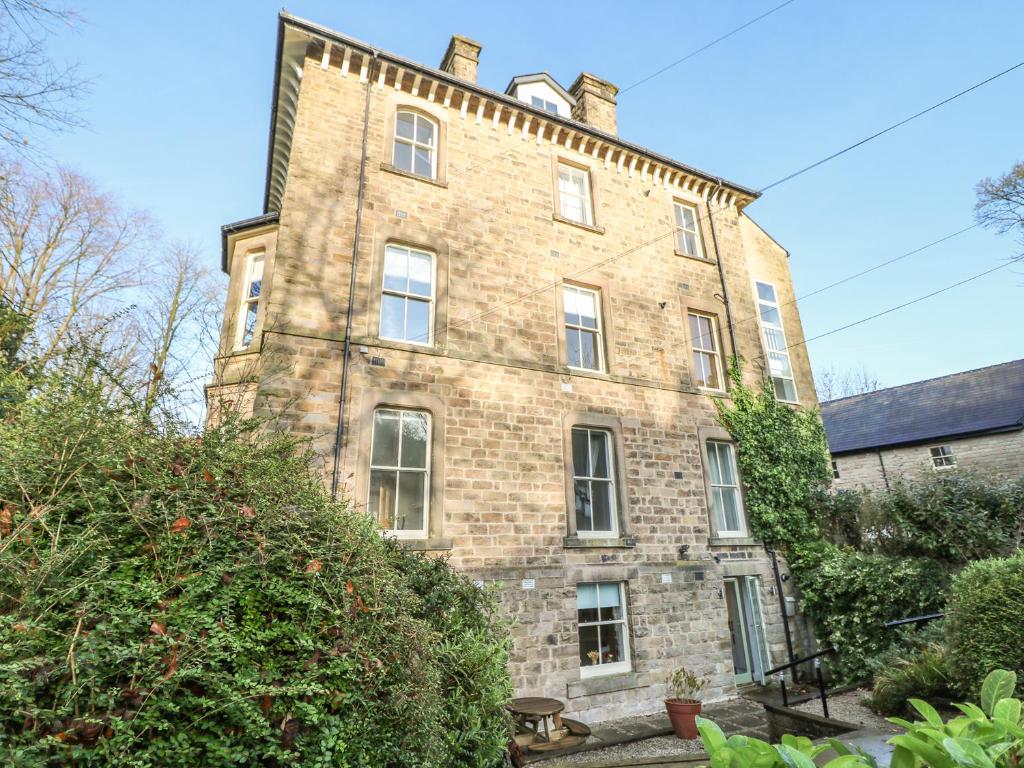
<point x="721" y="274"/>
<point x="346" y="354"/>
<point x="782" y="607"/>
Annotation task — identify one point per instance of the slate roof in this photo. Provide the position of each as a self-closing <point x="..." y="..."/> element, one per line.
<point x="983" y="401"/>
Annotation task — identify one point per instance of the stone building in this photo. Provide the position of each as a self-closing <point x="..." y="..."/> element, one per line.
<point x="969" y="421"/>
<point x="537" y="315"/>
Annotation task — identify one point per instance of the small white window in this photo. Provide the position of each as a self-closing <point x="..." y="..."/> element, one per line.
<point x="415" y="145"/>
<point x="835" y="470"/>
<point x="583" y="343"/>
<point x="707" y="363"/>
<point x="547" y="106"/>
<point x="407" y="298"/>
<point x="603" y="632"/>
<point x="942" y="457"/>
<point x="726" y="501"/>
<point x="593" y="472"/>
<point x="574" y="194"/>
<point x="250" y="301"/>
<point x="400" y="472"/>
<point x="687" y="233"/>
<point x="779" y="366"/>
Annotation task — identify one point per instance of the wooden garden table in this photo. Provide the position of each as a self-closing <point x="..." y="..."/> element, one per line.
<point x="536" y="709"/>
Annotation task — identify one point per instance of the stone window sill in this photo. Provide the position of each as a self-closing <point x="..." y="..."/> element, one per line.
<point x="701" y="259"/>
<point x="399" y="172"/>
<point x="728" y="541"/>
<point x="576" y="542"/>
<point x="589" y="227"/>
<point x="593" y="685"/>
<point x="425" y="545"/>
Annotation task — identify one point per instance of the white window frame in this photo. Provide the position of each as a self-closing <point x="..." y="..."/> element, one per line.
<point x="586" y="201"/>
<point x="419" y="533"/>
<point x="431" y="148"/>
<point x="944" y="459"/>
<point x="713" y="352"/>
<point x="408" y="296"/>
<point x="765" y="328"/>
<point x="615" y="667"/>
<point x="612" y="486"/>
<point x="567" y="326"/>
<point x="248" y="301"/>
<point x="741" y="532"/>
<point x="544" y="104"/>
<point x="680" y="229"/>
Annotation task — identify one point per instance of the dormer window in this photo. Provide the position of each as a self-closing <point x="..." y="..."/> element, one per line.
<point x="547" y="106"/>
<point x="542" y="91"/>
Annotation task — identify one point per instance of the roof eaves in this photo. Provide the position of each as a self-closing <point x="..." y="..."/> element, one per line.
<point x="1017" y="427"/>
<point x="240" y="226"/>
<point x="330" y="34"/>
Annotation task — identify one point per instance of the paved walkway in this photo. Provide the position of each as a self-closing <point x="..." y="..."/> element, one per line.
<point x="736" y="716"/>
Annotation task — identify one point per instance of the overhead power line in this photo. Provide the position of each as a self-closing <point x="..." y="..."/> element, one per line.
<point x="703" y="48"/>
<point x="892" y="127"/>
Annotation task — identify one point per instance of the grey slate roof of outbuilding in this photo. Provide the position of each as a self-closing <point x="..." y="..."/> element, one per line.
<point x="983" y="401"/>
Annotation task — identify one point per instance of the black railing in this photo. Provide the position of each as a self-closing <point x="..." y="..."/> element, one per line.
<point x="816" y="658"/>
<point x="914" y="620"/>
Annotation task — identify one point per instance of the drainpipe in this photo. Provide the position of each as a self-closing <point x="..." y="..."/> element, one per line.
<point x="721" y="273"/>
<point x="881" y="463"/>
<point x="782" y="606"/>
<point x="346" y="354"/>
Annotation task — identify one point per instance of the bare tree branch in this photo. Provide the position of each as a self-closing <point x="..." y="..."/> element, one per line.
<point x="833" y="383"/>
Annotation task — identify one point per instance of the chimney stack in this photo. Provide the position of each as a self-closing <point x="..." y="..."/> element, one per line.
<point x="461" y="58"/>
<point x="595" y="102"/>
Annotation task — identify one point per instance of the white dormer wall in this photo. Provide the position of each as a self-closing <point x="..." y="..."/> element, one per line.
<point x="525" y="91"/>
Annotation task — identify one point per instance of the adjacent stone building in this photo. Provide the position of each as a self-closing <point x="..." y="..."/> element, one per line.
<point x="537" y="316"/>
<point x="969" y="421"/>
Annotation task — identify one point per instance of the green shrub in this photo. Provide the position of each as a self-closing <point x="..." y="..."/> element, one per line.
<point x="173" y="601"/>
<point x="985" y="620"/>
<point x="922" y="673"/>
<point x="850" y="595"/>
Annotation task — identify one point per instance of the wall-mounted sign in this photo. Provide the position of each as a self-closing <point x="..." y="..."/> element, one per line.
<point x="529" y="584"/>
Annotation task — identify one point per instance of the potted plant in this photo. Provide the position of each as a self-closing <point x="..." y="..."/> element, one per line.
<point x="683" y="704"/>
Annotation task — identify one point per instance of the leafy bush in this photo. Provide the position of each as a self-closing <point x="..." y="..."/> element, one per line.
<point x="955" y="518"/>
<point x="739" y="751"/>
<point x="984" y="620"/>
<point x="173" y="601"/>
<point x="922" y="673"/>
<point x="850" y="595"/>
<point x="783" y="458"/>
<point x="989" y="736"/>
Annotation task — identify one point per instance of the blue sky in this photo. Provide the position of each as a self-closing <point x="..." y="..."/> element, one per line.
<point x="179" y="111"/>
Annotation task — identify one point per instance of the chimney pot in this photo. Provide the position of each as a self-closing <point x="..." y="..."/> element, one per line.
<point x="461" y="58"/>
<point x="595" y="102"/>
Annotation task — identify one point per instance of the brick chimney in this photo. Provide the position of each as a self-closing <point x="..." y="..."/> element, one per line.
<point x="461" y="58"/>
<point x="595" y="102"/>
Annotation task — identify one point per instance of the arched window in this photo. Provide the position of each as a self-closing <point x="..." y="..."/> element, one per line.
<point x="415" y="144"/>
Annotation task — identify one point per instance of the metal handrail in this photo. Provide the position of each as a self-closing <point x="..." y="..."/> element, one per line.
<point x="816" y="657"/>
<point x="914" y="620"/>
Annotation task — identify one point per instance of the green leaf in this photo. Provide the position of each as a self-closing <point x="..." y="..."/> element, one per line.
<point x="999" y="684"/>
<point x="839" y="748"/>
<point x="711" y="735"/>
<point x="902" y="758"/>
<point x="971" y="710"/>
<point x="848" y="761"/>
<point x="930" y="754"/>
<point x="968" y="753"/>
<point x="793" y="758"/>
<point x="927" y="711"/>
<point x="1007" y="711"/>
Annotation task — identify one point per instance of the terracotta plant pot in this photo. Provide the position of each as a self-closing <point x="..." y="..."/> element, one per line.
<point x="683" y="715"/>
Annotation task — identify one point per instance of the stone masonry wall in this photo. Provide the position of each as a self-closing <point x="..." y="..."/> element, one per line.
<point x="500" y="398"/>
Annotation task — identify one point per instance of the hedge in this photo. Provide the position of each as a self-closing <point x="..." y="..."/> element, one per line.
<point x="167" y="601"/>
<point x="985" y="621"/>
<point x="850" y="595"/>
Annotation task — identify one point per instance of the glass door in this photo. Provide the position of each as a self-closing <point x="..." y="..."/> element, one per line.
<point x="738" y="635"/>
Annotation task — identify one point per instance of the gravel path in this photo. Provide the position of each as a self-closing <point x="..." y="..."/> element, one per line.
<point x="660" y="746"/>
<point x="850" y="707"/>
